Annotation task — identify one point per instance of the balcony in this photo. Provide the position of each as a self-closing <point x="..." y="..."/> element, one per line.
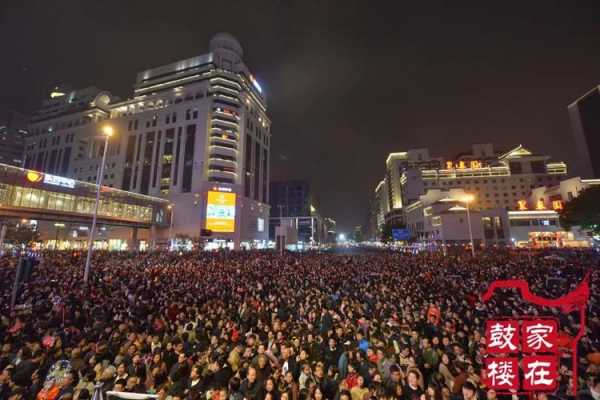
<point x="212" y="173"/>
<point x="216" y="150"/>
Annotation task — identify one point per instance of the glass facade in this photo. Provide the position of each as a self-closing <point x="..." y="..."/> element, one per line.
<point x="25" y="189"/>
<point x="17" y="196"/>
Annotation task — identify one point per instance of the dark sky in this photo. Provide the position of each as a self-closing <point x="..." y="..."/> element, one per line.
<point x="347" y="82"/>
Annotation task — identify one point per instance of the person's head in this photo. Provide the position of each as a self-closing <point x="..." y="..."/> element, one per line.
<point x="289" y="377"/>
<point x="491" y="394"/>
<point x="360" y="381"/>
<point x="345" y="395"/>
<point x="445" y="392"/>
<point x="181" y="359"/>
<point x="262" y="361"/>
<point x="84" y="394"/>
<point x="413" y="378"/>
<point x="67" y="380"/>
<point x="318" y="394"/>
<point x="119" y="385"/>
<point x="445" y="359"/>
<point x="195" y="373"/>
<point x="395" y="374"/>
<point x="594" y="385"/>
<point x="234" y="384"/>
<point x="251" y="375"/>
<point x="132" y="382"/>
<point x="332" y="343"/>
<point x="468" y="391"/>
<point x="270" y="385"/>
<point x="121" y="369"/>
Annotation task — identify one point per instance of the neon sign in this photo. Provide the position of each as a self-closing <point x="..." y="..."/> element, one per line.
<point x="461" y="164"/>
<point x="255" y="83"/>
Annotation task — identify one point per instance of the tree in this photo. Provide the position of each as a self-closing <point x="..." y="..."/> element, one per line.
<point x="583" y="210"/>
<point x="22" y="234"/>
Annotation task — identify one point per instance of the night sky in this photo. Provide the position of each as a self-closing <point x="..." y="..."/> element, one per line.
<point x="347" y="82"/>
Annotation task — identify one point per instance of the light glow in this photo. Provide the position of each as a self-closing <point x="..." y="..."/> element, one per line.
<point x="220" y="211"/>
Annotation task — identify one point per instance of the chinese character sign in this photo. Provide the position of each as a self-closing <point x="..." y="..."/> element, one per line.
<point x="540" y="336"/>
<point x="534" y="339"/>
<point x="502" y="336"/>
<point x="540" y="373"/>
<point x="502" y="373"/>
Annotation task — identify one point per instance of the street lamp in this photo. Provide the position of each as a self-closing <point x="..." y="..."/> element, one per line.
<point x="467" y="199"/>
<point x="107" y="132"/>
<point x="171" y="209"/>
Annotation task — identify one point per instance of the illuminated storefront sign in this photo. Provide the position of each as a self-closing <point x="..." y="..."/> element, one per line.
<point x="59" y="181"/>
<point x="540" y="205"/>
<point x="33" y="176"/>
<point x="220" y="212"/>
<point x="522" y="205"/>
<point x="461" y="164"/>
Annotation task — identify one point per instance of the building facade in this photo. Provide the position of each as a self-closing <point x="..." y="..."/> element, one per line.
<point x="495" y="179"/>
<point x="584" y="114"/>
<point x="13" y="130"/>
<point x="293" y="205"/>
<point x="195" y="132"/>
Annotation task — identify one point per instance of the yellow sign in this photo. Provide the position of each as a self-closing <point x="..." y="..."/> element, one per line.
<point x="522" y="205"/>
<point x="34" y="176"/>
<point x="540" y="205"/>
<point x="462" y="164"/>
<point x="220" y="212"/>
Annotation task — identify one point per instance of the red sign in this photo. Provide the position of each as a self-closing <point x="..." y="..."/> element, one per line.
<point x="502" y="373"/>
<point x="532" y="342"/>
<point x="502" y="336"/>
<point x="540" y="373"/>
<point x="540" y="336"/>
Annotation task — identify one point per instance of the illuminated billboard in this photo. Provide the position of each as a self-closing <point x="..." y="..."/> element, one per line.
<point x="220" y="212"/>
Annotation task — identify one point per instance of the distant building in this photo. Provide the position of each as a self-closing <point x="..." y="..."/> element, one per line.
<point x="294" y="205"/>
<point x="290" y="198"/>
<point x="13" y="131"/>
<point x="440" y="217"/>
<point x="585" y="123"/>
<point x="495" y="179"/>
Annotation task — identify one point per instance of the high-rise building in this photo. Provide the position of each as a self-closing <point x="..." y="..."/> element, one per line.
<point x="290" y="198"/>
<point x="293" y="204"/>
<point x="196" y="132"/>
<point x="13" y="130"/>
<point x="585" y="123"/>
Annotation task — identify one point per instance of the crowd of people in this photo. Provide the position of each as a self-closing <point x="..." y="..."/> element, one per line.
<point x="257" y="325"/>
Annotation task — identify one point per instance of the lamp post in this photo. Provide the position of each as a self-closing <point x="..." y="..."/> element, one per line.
<point x="171" y="208"/>
<point x="468" y="199"/>
<point x="107" y="132"/>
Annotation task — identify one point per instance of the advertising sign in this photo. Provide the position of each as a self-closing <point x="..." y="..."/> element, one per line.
<point x="220" y="212"/>
<point x="400" y="234"/>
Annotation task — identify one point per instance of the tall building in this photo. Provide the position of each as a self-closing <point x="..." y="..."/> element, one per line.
<point x="585" y="123"/>
<point x="290" y="198"/>
<point x="13" y="130"/>
<point x="293" y="204"/>
<point x="196" y="132"/>
<point x="497" y="180"/>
